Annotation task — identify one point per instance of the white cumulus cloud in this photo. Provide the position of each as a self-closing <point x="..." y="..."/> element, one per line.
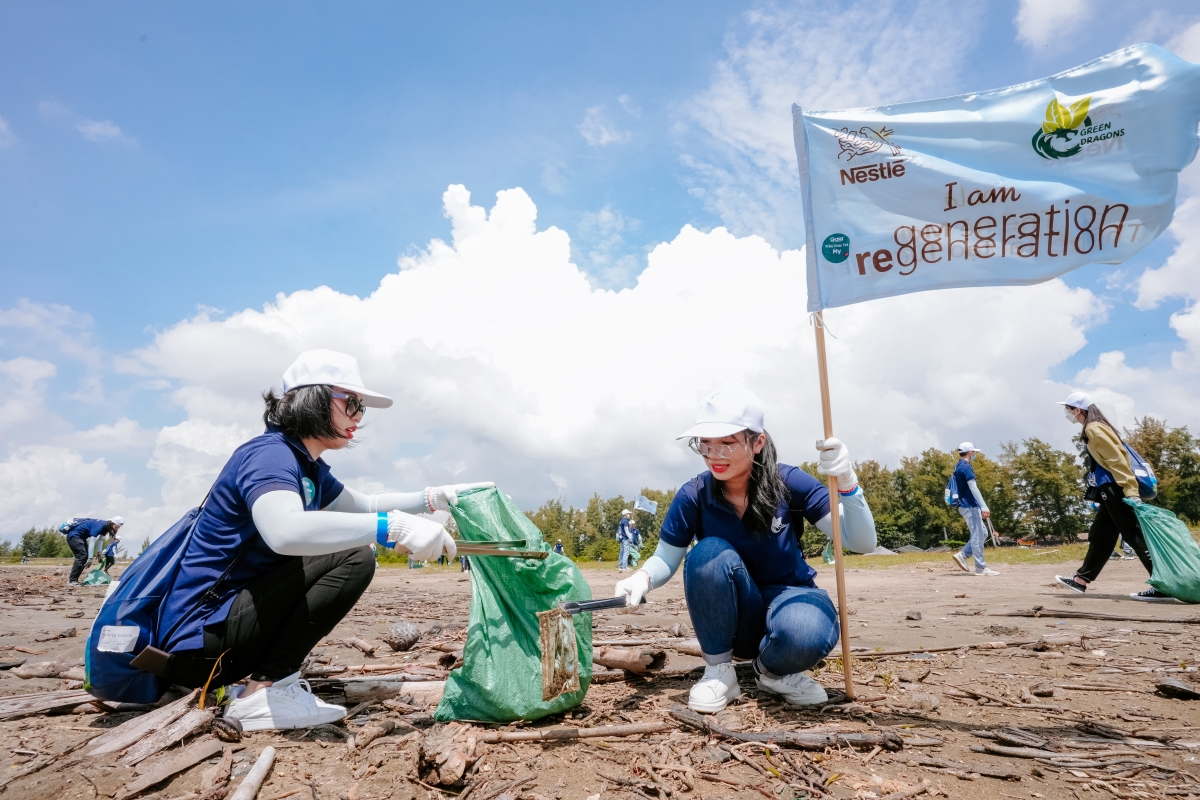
<point x="102" y="131"/>
<point x="599" y="131"/>
<point x="1041" y="22"/>
<point x="506" y="364"/>
<point x="7" y="137"/>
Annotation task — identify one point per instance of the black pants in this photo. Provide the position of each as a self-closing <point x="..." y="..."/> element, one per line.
<point x="78" y="546"/>
<point x="277" y="620"/>
<point x="108" y="562"/>
<point x="1114" y="518"/>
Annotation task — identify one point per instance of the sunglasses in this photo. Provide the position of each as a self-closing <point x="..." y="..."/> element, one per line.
<point x="354" y="404"/>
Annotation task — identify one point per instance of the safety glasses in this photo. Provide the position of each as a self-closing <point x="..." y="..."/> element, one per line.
<point x="714" y="450"/>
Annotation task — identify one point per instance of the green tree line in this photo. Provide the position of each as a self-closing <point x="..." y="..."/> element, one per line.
<point x="1033" y="490"/>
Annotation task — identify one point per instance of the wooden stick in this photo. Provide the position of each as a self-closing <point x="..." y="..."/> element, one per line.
<point x="1040" y="611"/>
<point x="185" y="758"/>
<point x="248" y="788"/>
<point x="549" y="734"/>
<point x="834" y="517"/>
<point x="888" y="739"/>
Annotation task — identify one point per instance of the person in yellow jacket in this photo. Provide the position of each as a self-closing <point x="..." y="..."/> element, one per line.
<point x="1110" y="482"/>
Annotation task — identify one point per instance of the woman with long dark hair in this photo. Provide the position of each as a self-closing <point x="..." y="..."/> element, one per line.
<point x="750" y="593"/>
<point x="1112" y="486"/>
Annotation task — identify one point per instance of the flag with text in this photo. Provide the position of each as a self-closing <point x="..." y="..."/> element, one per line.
<point x="1010" y="186"/>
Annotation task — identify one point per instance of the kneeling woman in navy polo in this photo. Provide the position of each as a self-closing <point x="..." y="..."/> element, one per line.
<point x="750" y="593"/>
<point x="281" y="550"/>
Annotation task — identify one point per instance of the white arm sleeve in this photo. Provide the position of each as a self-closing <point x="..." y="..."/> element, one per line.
<point x="357" y="502"/>
<point x="978" y="497"/>
<point x="291" y="531"/>
<point x="858" y="526"/>
<point x="662" y="565"/>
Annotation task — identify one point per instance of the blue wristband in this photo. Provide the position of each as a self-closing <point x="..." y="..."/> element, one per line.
<point x="381" y="530"/>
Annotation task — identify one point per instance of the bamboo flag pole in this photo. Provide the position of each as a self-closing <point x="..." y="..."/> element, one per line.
<point x="834" y="515"/>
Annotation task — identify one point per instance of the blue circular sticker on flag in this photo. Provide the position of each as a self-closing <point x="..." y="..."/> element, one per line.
<point x="836" y="248"/>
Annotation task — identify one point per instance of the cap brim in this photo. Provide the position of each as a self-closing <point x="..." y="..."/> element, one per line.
<point x="370" y="399"/>
<point x="711" y="430"/>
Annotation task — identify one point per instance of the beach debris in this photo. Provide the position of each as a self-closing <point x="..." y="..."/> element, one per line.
<point x="401" y="636"/>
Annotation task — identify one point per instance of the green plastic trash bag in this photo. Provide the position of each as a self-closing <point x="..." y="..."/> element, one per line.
<point x="1174" y="554"/>
<point x="97" y="577"/>
<point x="501" y="676"/>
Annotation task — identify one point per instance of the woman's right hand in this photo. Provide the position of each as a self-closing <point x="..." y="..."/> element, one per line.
<point x="423" y="539"/>
<point x="633" y="589"/>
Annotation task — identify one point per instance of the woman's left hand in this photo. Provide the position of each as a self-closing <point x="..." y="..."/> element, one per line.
<point x="440" y="498"/>
<point x="835" y="462"/>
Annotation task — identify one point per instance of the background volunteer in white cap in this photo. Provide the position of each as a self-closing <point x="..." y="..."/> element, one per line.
<point x="973" y="509"/>
<point x="1112" y="485"/>
<point x="281" y="550"/>
<point x="750" y="593"/>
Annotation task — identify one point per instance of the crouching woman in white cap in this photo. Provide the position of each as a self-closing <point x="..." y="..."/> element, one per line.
<point x="280" y="552"/>
<point x="750" y="593"/>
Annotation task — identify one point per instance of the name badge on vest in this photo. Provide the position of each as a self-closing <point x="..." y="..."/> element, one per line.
<point x="310" y="491"/>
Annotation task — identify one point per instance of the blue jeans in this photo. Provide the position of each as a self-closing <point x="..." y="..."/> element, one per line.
<point x="623" y="561"/>
<point x="974" y="545"/>
<point x="789" y="628"/>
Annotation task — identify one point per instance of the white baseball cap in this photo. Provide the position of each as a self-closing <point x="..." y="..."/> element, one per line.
<point x="117" y="520"/>
<point x="625" y="513"/>
<point x="725" y="412"/>
<point x="1080" y="400"/>
<point x="967" y="447"/>
<point x="331" y="368"/>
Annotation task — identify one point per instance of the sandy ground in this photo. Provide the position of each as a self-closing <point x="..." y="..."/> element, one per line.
<point x="1117" y="660"/>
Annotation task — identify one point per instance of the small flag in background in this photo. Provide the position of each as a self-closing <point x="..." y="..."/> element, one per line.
<point x="1005" y="187"/>
<point x="645" y="504"/>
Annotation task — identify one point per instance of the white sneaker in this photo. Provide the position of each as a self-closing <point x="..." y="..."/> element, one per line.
<point x="798" y="689"/>
<point x="288" y="703"/>
<point x="987" y="571"/>
<point x="715" y="689"/>
<point x="962" y="562"/>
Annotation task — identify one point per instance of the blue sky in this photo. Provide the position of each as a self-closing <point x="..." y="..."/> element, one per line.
<point x="161" y="160"/>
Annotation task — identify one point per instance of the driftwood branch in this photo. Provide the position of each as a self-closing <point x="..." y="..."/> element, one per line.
<point x="887" y="739"/>
<point x="191" y="723"/>
<point x="186" y="758"/>
<point x="24" y="705"/>
<point x="132" y="731"/>
<point x="637" y="661"/>
<point x="248" y="788"/>
<point x="1042" y="611"/>
<point x="553" y="734"/>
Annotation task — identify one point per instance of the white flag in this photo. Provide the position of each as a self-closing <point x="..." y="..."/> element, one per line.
<point x="642" y="503"/>
<point x="1010" y="186"/>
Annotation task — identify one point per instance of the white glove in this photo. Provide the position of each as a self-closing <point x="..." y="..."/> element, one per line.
<point x="423" y="539"/>
<point x="634" y="589"/>
<point x="835" y="462"/>
<point x="440" y="498"/>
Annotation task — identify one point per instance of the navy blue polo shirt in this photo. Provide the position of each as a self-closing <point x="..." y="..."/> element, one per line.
<point x="88" y="527"/>
<point x="773" y="558"/>
<point x="623" y="530"/>
<point x="227" y="552"/>
<point x="962" y="474"/>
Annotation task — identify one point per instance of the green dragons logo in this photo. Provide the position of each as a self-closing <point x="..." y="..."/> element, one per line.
<point x="1059" y="136"/>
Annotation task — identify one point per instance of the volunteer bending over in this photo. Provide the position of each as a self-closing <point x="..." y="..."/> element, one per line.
<point x="750" y="593"/>
<point x="281" y="550"/>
